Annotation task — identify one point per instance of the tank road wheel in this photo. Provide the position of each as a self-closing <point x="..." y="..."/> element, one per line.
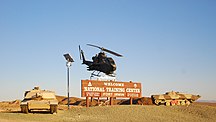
<point x="53" y="109"/>
<point x="167" y="103"/>
<point x="187" y="103"/>
<point x="182" y="102"/>
<point x="157" y="102"/>
<point x="174" y="102"/>
<point x="178" y="103"/>
<point x="24" y="109"/>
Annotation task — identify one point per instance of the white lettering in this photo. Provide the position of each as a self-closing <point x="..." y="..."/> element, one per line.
<point x="92" y="94"/>
<point x="113" y="84"/>
<point x="107" y="94"/>
<point x="132" y="95"/>
<point x="119" y="94"/>
<point x="108" y="89"/>
<point x="133" y="90"/>
<point x="96" y="89"/>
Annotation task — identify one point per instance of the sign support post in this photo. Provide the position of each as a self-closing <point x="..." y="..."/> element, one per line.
<point x="131" y="100"/>
<point x="111" y="100"/>
<point x="87" y="102"/>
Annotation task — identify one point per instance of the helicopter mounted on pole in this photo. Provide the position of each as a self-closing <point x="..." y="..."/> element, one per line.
<point x="100" y="62"/>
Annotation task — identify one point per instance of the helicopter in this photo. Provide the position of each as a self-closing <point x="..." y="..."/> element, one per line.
<point x="100" y="62"/>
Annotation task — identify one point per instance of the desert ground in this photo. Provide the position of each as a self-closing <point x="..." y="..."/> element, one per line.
<point x="121" y="111"/>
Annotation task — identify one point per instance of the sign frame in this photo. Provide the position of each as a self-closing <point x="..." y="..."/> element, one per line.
<point x="100" y="89"/>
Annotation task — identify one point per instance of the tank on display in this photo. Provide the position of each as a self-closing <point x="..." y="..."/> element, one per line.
<point x="174" y="98"/>
<point x="39" y="100"/>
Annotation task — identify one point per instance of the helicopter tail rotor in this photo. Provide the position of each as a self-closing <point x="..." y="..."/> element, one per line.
<point x="82" y="57"/>
<point x="106" y="50"/>
<point x="80" y="52"/>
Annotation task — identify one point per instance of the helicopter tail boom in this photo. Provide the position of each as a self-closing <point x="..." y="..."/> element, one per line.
<point x="82" y="57"/>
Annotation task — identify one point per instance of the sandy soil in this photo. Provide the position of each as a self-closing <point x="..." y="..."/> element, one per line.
<point x="202" y="112"/>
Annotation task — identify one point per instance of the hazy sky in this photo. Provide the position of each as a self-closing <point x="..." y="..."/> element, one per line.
<point x="166" y="44"/>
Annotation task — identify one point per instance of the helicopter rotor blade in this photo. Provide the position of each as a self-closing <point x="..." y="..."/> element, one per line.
<point x="106" y="50"/>
<point x="95" y="46"/>
<point x="114" y="53"/>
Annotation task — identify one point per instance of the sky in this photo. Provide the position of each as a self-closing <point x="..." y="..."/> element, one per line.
<point x="166" y="45"/>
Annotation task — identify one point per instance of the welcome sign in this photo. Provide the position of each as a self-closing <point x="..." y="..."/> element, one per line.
<point x="95" y="88"/>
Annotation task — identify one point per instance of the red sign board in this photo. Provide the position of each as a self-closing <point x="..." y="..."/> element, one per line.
<point x="95" y="88"/>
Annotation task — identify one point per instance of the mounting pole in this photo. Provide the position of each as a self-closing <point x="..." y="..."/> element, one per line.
<point x="68" y="64"/>
<point x="68" y="81"/>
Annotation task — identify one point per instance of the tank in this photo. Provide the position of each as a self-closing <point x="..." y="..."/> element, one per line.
<point x="39" y="100"/>
<point x="174" y="98"/>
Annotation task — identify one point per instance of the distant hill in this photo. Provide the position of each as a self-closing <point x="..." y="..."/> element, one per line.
<point x="82" y="102"/>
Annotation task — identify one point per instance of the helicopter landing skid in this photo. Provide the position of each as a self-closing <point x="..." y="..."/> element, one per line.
<point x="112" y="75"/>
<point x="99" y="76"/>
<point x="93" y="74"/>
